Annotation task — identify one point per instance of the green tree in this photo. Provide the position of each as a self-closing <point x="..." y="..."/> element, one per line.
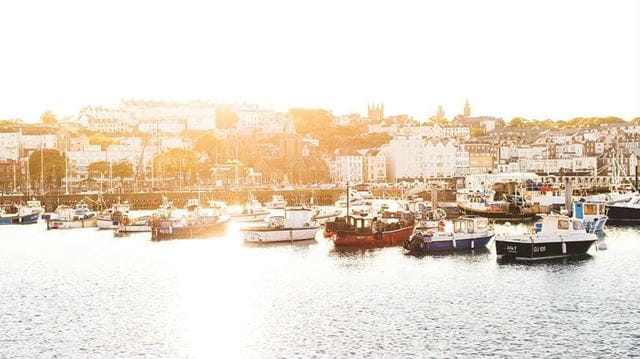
<point x="433" y="120"/>
<point x="226" y="118"/>
<point x="477" y="132"/>
<point x="48" y="118"/>
<point x="122" y="169"/>
<point x="53" y="170"/>
<point x="518" y="122"/>
<point x="209" y="144"/>
<point x="99" y="169"/>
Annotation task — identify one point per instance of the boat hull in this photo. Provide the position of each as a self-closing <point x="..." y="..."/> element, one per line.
<point x="107" y="224"/>
<point x="623" y="215"/>
<point x="23" y="219"/>
<point x="249" y="217"/>
<point x="499" y="216"/>
<point x="544" y="250"/>
<point x="133" y="229"/>
<point x="384" y="239"/>
<point x="195" y="231"/>
<point x="253" y="235"/>
<point x="78" y="223"/>
<point x="448" y="244"/>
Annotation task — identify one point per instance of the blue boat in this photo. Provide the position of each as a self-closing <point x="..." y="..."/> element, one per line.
<point x="469" y="232"/>
<point x="18" y="215"/>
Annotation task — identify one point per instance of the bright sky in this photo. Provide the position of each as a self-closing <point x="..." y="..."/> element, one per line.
<point x="536" y="59"/>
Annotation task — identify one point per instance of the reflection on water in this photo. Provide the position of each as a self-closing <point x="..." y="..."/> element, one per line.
<point x="86" y="293"/>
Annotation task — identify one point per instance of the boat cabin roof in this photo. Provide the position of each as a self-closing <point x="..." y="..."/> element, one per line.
<point x="559" y="224"/>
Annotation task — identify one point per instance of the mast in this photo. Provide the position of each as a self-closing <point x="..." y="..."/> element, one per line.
<point x="66" y="168"/>
<point x="41" y="167"/>
<point x="348" y="199"/>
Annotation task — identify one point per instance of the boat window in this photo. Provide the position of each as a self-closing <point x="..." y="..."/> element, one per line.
<point x="470" y="227"/>
<point x="578" y="225"/>
<point x="563" y="224"/>
<point x="590" y="209"/>
<point x="460" y="227"/>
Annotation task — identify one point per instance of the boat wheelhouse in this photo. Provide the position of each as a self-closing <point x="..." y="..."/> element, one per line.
<point x="351" y="231"/>
<point x="592" y="213"/>
<point x="253" y="211"/>
<point x="277" y="202"/>
<point x="559" y="237"/>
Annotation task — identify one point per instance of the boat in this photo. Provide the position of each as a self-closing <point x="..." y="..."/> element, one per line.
<point x="424" y="215"/>
<point x="253" y="211"/>
<point x="111" y="217"/>
<point x="469" y="232"/>
<point x="482" y="203"/>
<point x="297" y="224"/>
<point x="559" y="237"/>
<point x="35" y="206"/>
<point x="201" y="221"/>
<point x="277" y="202"/>
<point x="352" y="198"/>
<point x="390" y="230"/>
<point x="626" y="212"/>
<point x="323" y="215"/>
<point x="135" y="225"/>
<point x="17" y="214"/>
<point x="592" y="213"/>
<point x="67" y="217"/>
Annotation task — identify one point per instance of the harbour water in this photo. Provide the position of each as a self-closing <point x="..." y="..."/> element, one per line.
<point x="84" y="293"/>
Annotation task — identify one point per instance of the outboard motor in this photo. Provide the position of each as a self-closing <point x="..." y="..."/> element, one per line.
<point x="415" y="243"/>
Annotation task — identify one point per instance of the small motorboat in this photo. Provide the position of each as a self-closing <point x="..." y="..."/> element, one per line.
<point x="469" y="232"/>
<point x="559" y="237"/>
<point x="17" y="214"/>
<point x="297" y="224"/>
<point x="253" y="211"/>
<point x="111" y="217"/>
<point x="67" y="217"/>
<point x="197" y="223"/>
<point x="592" y="213"/>
<point x="277" y="202"/>
<point x="135" y="225"/>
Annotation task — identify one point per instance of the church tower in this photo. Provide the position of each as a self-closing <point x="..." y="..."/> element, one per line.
<point x="440" y="113"/>
<point x="375" y="112"/>
<point x="467" y="109"/>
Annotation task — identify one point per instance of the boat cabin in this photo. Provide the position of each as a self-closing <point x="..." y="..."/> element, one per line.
<point x="587" y="209"/>
<point x="559" y="224"/>
<point x="470" y="224"/>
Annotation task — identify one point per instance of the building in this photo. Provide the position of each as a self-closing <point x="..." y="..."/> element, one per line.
<point x="439" y="159"/>
<point x="256" y="119"/>
<point x="586" y="165"/>
<point x="483" y="156"/>
<point x="197" y="115"/>
<point x="10" y="145"/>
<point x="346" y="165"/>
<point x="375" y="166"/>
<point x="375" y="112"/>
<point x="107" y="120"/>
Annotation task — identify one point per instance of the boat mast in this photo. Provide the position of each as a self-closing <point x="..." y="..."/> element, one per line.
<point x="41" y="167"/>
<point x="66" y="168"/>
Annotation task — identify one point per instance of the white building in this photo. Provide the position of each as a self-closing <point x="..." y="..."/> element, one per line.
<point x="375" y="165"/>
<point x="570" y="150"/>
<point x="10" y="146"/>
<point x="414" y="157"/>
<point x="554" y="165"/>
<point x="107" y="120"/>
<point x="162" y="126"/>
<point x="195" y="115"/>
<point x="440" y="159"/>
<point x="347" y="166"/>
<point x="251" y="119"/>
<point x="35" y="142"/>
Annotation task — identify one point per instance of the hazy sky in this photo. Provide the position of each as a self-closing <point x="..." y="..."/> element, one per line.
<point x="538" y="59"/>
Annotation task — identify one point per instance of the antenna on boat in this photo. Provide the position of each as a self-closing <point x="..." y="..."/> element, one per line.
<point x="348" y="199"/>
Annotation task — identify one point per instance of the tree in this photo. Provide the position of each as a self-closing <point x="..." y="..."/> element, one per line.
<point x="122" y="169"/>
<point x="48" y="118"/>
<point x="99" y="169"/>
<point x="435" y="120"/>
<point x="477" y="132"/>
<point x="209" y="144"/>
<point x="177" y="162"/>
<point x="517" y="122"/>
<point x="311" y="121"/>
<point x="53" y="171"/>
<point x="102" y="140"/>
<point x="226" y="118"/>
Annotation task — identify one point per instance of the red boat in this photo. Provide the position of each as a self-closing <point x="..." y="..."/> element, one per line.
<point x="370" y="232"/>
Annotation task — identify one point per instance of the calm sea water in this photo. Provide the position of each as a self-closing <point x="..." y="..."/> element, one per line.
<point x="83" y="293"/>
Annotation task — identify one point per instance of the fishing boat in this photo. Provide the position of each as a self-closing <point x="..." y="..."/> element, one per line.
<point x="253" y="211"/>
<point x="352" y="198"/>
<point x="559" y="237"/>
<point x="361" y="232"/>
<point x="17" y="214"/>
<point x="35" y="206"/>
<point x="277" y="202"/>
<point x="111" y="217"/>
<point x="469" y="232"/>
<point x="482" y="203"/>
<point x="424" y="215"/>
<point x="626" y="212"/>
<point x="297" y="224"/>
<point x="67" y="217"/>
<point x="200" y="222"/>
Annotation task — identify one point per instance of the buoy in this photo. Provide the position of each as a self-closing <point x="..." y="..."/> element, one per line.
<point x="564" y="248"/>
<point x="601" y="245"/>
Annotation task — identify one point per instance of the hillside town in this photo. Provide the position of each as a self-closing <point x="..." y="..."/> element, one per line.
<point x="146" y="145"/>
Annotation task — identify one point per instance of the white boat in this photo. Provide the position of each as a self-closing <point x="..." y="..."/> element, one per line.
<point x="355" y="199"/>
<point x="251" y="212"/>
<point x="297" y="224"/>
<point x="559" y="236"/>
<point x="325" y="214"/>
<point x="69" y="217"/>
<point x="111" y="217"/>
<point x="277" y="202"/>
<point x="35" y="206"/>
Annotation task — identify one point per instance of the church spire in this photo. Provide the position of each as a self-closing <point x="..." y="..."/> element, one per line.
<point x="467" y="108"/>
